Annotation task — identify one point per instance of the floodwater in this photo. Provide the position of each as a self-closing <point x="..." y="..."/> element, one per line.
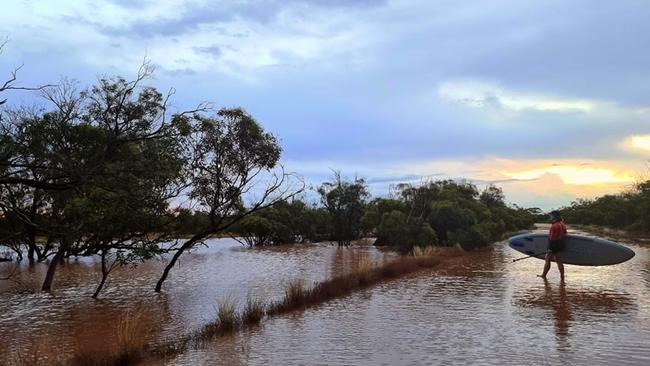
<point x="481" y="309"/>
<point x="58" y="325"/>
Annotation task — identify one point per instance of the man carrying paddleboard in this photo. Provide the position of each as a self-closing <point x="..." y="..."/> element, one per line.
<point x="555" y="244"/>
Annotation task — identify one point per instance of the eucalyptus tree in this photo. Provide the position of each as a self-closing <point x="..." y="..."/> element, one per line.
<point x="283" y="223"/>
<point x="233" y="172"/>
<point x="344" y="201"/>
<point x="96" y="172"/>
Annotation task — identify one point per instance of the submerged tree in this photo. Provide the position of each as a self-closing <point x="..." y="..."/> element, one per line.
<point x="94" y="174"/>
<point x="443" y="212"/>
<point x="344" y="201"/>
<point x="232" y="159"/>
<point x="286" y="222"/>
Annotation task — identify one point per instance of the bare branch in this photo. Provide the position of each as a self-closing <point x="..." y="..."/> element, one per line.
<point x="10" y="83"/>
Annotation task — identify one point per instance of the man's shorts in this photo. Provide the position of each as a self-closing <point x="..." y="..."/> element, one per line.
<point x="555" y="246"/>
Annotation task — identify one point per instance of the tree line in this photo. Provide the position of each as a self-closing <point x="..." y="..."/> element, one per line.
<point x="442" y="212"/>
<point x="626" y="210"/>
<point x="111" y="171"/>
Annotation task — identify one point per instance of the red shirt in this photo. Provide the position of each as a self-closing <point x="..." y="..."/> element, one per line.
<point x="557" y="231"/>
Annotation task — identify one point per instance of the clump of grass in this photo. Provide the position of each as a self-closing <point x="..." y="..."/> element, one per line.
<point x="227" y="320"/>
<point x="253" y="311"/>
<point x="227" y="316"/>
<point x="419" y="251"/>
<point x="131" y="341"/>
<point x="363" y="265"/>
<point x="131" y="332"/>
<point x="364" y="275"/>
<point x="295" y="293"/>
<point x="362" y="272"/>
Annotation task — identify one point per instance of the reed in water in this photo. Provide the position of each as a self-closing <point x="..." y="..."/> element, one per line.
<point x="132" y="329"/>
<point x="364" y="274"/>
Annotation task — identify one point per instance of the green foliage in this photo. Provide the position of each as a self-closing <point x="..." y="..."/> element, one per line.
<point x="427" y="236"/>
<point x="392" y="228"/>
<point x="183" y="221"/>
<point x="375" y="210"/>
<point x="445" y="216"/>
<point x="96" y="173"/>
<point x="443" y="213"/>
<point x="398" y="230"/>
<point x="315" y="224"/>
<point x="471" y="237"/>
<point x="344" y="201"/>
<point x="283" y="223"/>
<point x="627" y="210"/>
<point x="492" y="196"/>
<point x="229" y="150"/>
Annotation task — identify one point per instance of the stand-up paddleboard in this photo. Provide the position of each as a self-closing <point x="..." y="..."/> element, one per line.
<point x="579" y="250"/>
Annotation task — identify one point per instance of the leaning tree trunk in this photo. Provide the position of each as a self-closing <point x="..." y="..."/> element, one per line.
<point x="51" y="269"/>
<point x="105" y="272"/>
<point x="188" y="244"/>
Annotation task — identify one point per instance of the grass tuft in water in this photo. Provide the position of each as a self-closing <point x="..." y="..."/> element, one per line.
<point x="130" y="334"/>
<point x="227" y="317"/>
<point x="253" y="311"/>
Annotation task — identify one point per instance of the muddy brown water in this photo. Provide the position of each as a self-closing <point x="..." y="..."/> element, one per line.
<point x="483" y="309"/>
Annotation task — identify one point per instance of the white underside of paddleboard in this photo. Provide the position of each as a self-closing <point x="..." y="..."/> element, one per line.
<point x="578" y="249"/>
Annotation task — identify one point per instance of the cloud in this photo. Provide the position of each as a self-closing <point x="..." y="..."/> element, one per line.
<point x="576" y="174"/>
<point x="185" y="17"/>
<point x="529" y="183"/>
<point x="479" y="94"/>
<point x="637" y="143"/>
<point x="389" y="90"/>
<point x="214" y="50"/>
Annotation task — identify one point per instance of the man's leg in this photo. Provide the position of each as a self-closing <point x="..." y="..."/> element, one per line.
<point x="547" y="265"/>
<point x="560" y="265"/>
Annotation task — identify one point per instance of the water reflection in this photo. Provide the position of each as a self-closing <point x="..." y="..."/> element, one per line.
<point x="561" y="308"/>
<point x="70" y="320"/>
<point x="562" y="303"/>
<point x="478" y="307"/>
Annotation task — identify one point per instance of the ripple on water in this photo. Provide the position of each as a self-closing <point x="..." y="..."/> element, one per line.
<point x="481" y="310"/>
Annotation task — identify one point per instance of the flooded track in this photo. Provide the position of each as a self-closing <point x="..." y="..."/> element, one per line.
<point x="483" y="309"/>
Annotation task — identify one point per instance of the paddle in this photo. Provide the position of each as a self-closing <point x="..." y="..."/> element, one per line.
<point x="532" y="255"/>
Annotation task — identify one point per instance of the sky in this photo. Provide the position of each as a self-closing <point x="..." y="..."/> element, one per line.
<point x="549" y="100"/>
